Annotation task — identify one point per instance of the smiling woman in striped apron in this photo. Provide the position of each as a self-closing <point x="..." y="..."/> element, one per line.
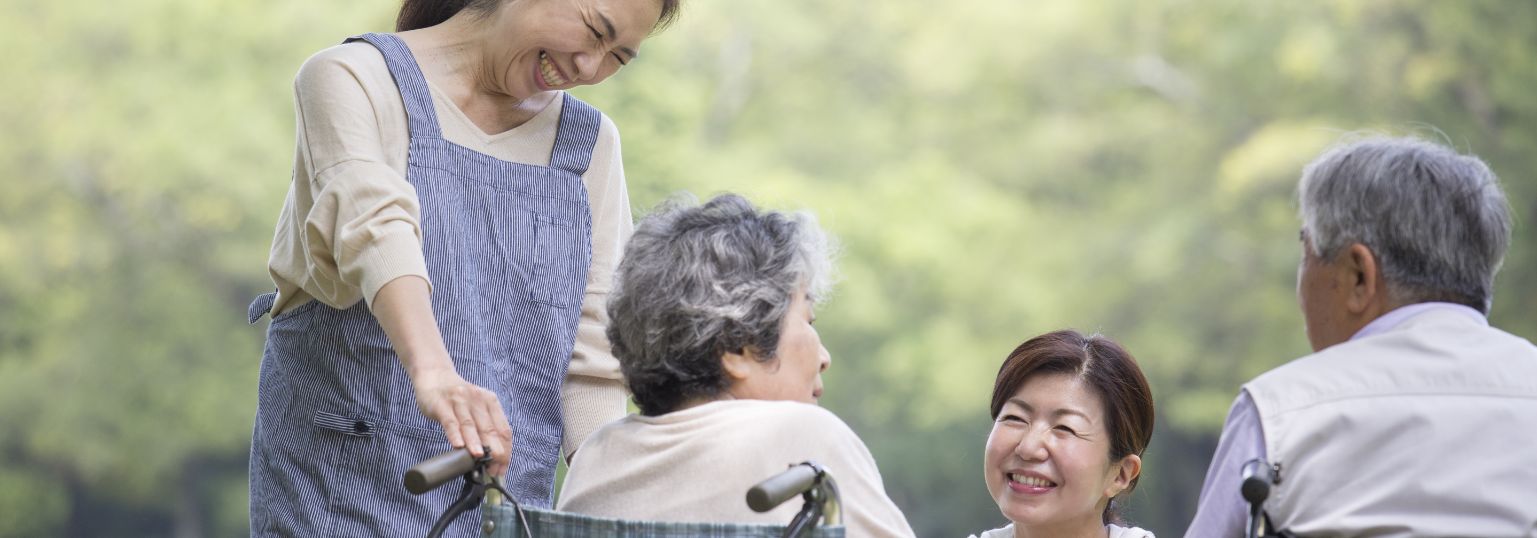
<point x="442" y="261"/>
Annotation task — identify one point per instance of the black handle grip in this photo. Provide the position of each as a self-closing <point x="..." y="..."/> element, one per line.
<point x="780" y="487"/>
<point x="438" y="470"/>
<point x="1257" y="479"/>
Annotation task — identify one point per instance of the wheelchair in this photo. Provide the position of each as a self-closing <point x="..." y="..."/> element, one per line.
<point x="503" y="517"/>
<point x="1258" y="477"/>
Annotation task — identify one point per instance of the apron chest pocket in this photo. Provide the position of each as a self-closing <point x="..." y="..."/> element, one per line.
<point x="557" y="280"/>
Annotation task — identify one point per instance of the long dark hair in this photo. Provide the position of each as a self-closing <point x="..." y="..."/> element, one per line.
<point x="416" y="14"/>
<point x="1108" y="369"/>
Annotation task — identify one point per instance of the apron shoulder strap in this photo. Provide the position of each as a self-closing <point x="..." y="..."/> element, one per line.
<point x="409" y="79"/>
<point x="576" y="136"/>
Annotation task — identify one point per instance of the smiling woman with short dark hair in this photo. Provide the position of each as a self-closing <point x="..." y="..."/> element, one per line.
<point x="1072" y="415"/>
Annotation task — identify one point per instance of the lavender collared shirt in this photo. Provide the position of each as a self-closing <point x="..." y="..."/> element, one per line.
<point x="1221" y="511"/>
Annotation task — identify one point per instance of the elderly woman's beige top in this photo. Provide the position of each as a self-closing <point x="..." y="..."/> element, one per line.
<point x="697" y="464"/>
<point x="1111" y="531"/>
<point x="351" y="222"/>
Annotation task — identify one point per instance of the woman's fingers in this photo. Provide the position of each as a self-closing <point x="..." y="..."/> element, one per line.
<point x="485" y="430"/>
<point x="503" y="430"/>
<point x="472" y="417"/>
<point x="467" y="427"/>
<point x="442" y="412"/>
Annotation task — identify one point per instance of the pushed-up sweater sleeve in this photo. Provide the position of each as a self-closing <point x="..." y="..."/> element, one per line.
<point x="362" y="228"/>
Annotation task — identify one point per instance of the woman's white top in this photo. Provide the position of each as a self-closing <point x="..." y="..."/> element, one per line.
<point x="1114" y="531"/>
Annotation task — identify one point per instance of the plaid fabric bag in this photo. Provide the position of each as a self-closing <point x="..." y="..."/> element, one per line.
<point x="505" y="520"/>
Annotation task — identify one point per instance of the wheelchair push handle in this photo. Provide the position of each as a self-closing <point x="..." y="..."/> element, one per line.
<point x="781" y="487"/>
<point x="438" y="470"/>
<point x="1258" y="477"/>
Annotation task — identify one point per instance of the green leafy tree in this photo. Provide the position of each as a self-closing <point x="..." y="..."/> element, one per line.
<point x="994" y="170"/>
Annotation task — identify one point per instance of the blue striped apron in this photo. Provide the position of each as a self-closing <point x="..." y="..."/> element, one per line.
<point x="507" y="247"/>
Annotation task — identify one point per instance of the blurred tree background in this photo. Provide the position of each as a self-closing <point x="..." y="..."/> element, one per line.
<point x="994" y="168"/>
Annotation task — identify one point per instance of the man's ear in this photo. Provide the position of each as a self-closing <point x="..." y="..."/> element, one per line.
<point x="1128" y="469"/>
<point x="738" y="364"/>
<point x="1364" y="276"/>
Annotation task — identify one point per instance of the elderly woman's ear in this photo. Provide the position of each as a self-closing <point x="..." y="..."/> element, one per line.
<point x="740" y="365"/>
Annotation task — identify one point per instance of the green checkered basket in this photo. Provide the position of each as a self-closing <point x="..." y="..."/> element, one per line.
<point x="503" y="520"/>
<point x="501" y="517"/>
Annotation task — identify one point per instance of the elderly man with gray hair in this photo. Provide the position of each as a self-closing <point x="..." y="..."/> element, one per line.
<point x="712" y="313"/>
<point x="1413" y="416"/>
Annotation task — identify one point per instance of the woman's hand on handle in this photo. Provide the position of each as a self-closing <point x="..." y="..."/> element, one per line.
<point x="470" y="415"/>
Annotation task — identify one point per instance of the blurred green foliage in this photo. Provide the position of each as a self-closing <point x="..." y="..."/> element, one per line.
<point x="994" y="169"/>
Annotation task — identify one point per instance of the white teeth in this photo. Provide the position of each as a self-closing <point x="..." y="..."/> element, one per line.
<point x="1030" y="480"/>
<point x="547" y="70"/>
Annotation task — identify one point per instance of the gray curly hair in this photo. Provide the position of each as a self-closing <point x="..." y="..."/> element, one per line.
<point x="698" y="281"/>
<point x="1437" y="221"/>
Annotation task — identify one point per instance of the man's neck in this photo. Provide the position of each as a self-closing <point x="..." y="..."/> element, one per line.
<point x="1392" y="318"/>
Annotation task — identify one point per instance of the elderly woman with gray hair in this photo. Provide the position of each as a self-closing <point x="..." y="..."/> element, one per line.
<point x="712" y="316"/>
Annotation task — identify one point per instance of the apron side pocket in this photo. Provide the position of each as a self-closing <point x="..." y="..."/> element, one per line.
<point x="534" y="458"/>
<point x="355" y="427"/>
<point x="366" y="497"/>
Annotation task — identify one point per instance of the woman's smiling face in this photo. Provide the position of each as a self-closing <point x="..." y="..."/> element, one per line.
<point x="562" y="44"/>
<point x="1048" y="457"/>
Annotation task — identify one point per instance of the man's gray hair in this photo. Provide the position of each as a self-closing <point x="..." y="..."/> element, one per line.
<point x="1436" y="220"/>
<point x="698" y="281"/>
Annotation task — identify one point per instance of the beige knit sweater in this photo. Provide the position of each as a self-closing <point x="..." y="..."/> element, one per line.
<point x="696" y="465"/>
<point x="351" y="222"/>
